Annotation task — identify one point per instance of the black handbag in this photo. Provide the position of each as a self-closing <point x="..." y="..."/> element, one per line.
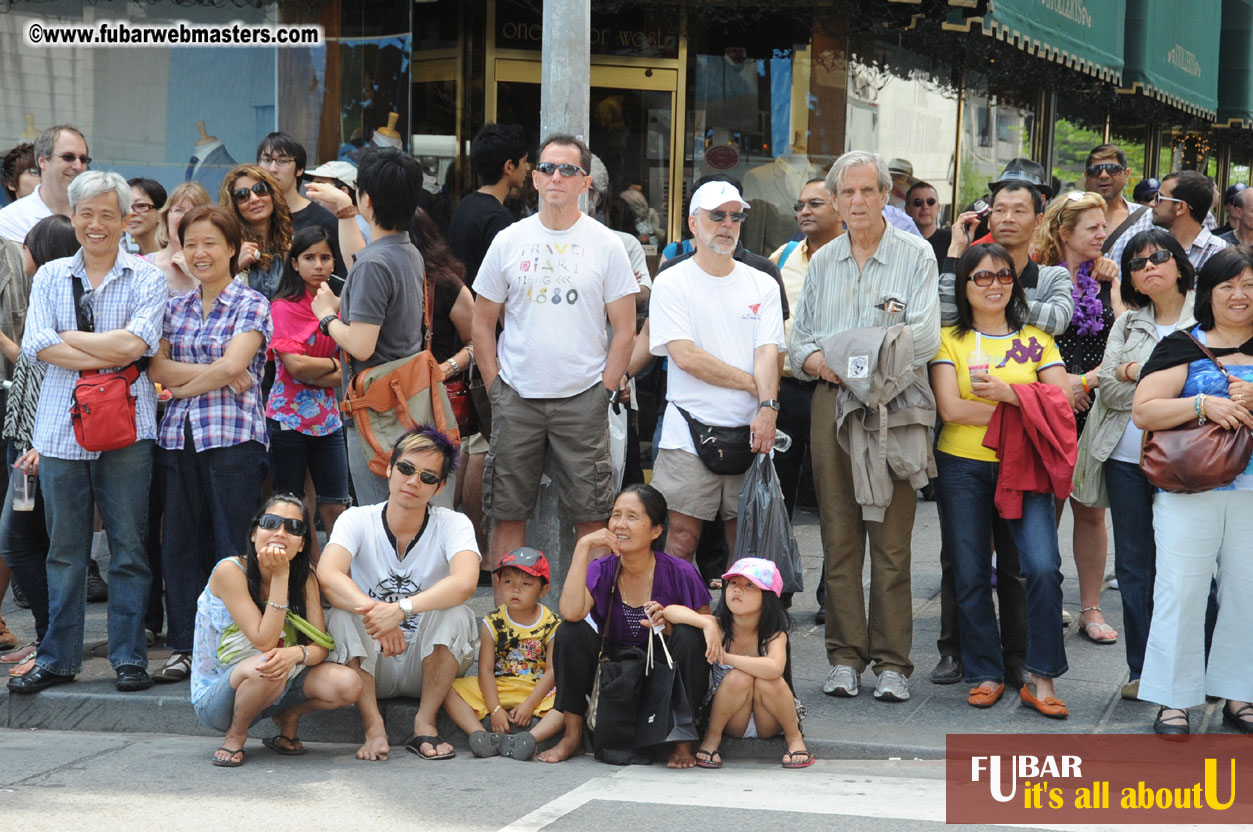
<point x="665" y="712"/>
<point x="723" y="450"/>
<point x="621" y="684"/>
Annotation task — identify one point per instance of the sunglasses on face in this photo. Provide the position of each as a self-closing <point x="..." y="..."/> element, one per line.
<point x="812" y="204"/>
<point x="408" y="469"/>
<point x="242" y="195"/>
<point x="1112" y="168"/>
<point x="1157" y="258"/>
<point x="293" y="525"/>
<point x="720" y="216"/>
<point x="1159" y="197"/>
<point x="919" y="201"/>
<point x="567" y="170"/>
<point x="70" y="158"/>
<point x="1005" y="277"/>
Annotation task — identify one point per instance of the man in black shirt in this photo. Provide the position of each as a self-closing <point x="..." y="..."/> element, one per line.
<point x="285" y="158"/>
<point x="498" y="155"/>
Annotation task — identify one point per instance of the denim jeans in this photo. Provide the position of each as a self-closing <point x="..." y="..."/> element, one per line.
<point x="210" y="497"/>
<point x="967" y="491"/>
<point x="117" y="483"/>
<point x="1135" y="554"/>
<point x="324" y="457"/>
<point x="24" y="547"/>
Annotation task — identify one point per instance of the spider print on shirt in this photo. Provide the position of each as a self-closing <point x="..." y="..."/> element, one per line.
<point x="393" y="588"/>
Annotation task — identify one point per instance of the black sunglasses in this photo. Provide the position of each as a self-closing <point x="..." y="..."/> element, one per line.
<point x="408" y="469"/>
<point x="70" y="158"/>
<point x="919" y="201"/>
<point x="241" y="195"/>
<point x="719" y="216"/>
<point x="1112" y="168"/>
<point x="1157" y="258"/>
<point x="1005" y="277"/>
<point x="567" y="170"/>
<point x="294" y="525"/>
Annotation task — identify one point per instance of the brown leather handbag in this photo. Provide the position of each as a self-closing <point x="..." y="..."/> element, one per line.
<point x="1196" y="457"/>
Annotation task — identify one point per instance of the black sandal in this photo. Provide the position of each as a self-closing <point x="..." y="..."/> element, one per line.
<point x="1241" y="720"/>
<point x="708" y="759"/>
<point x="415" y="746"/>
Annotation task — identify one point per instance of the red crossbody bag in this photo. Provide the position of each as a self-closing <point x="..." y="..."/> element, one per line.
<point x="102" y="411"/>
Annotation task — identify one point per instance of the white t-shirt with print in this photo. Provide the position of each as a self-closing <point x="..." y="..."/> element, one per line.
<point x="375" y="569"/>
<point x="554" y="285"/>
<point x="729" y="318"/>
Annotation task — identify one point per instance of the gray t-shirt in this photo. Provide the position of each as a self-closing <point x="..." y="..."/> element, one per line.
<point x="384" y="287"/>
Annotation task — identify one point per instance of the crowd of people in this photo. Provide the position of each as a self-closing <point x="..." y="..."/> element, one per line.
<point x="996" y="363"/>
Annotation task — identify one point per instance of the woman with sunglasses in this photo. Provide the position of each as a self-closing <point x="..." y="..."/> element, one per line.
<point x="257" y="200"/>
<point x="170" y="259"/>
<point x="988" y="350"/>
<point x="1071" y="235"/>
<point x="1108" y="469"/>
<point x="211" y="444"/>
<point x="260" y="649"/>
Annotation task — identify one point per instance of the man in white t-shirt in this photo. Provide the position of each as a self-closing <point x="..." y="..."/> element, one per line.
<point x="556" y="276"/>
<point x="721" y="324"/>
<point x="61" y="153"/>
<point x="398" y="575"/>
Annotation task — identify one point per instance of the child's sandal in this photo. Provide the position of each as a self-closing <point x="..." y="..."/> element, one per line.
<point x="708" y="759"/>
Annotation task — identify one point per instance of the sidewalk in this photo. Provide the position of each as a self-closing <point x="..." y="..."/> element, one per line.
<point x="835" y="728"/>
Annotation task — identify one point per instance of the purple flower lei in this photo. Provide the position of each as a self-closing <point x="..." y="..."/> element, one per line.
<point x="1089" y="318"/>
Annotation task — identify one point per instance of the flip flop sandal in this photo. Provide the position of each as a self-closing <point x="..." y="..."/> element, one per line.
<point x="24" y="667"/>
<point x="518" y="746"/>
<point x="415" y="747"/>
<point x="1105" y="634"/>
<point x="708" y="759"/>
<point x="805" y="759"/>
<point x="229" y="763"/>
<point x="19" y="655"/>
<point x="293" y="747"/>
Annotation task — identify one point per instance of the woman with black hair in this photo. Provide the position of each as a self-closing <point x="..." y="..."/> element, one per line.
<point x="1158" y="291"/>
<point x="260" y="641"/>
<point x="144" y="222"/>
<point x="1204" y="534"/>
<point x="623" y="591"/>
<point x="988" y="350"/>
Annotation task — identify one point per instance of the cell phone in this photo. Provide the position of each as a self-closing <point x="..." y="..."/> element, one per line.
<point x="336" y="283"/>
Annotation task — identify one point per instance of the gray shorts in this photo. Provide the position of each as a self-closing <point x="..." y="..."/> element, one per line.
<point x="692" y="489"/>
<point x="455" y="628"/>
<point x="575" y="429"/>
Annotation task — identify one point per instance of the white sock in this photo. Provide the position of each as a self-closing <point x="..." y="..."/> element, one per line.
<point x="96" y="539"/>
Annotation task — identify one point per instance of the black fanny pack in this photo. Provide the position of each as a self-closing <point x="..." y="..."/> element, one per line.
<point x="723" y="450"/>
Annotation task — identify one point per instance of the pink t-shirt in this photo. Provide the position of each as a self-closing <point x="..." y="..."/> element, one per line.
<point x="293" y="404"/>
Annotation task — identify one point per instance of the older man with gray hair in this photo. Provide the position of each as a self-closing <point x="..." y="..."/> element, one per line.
<point x="867" y="323"/>
<point x="98" y="311"/>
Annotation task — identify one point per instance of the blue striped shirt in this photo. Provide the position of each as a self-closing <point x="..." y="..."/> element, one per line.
<point x="131" y="297"/>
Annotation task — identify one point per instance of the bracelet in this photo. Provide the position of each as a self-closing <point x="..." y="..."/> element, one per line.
<point x="456" y="368"/>
<point x="334" y="364"/>
<point x="282" y="607"/>
<point x="1198" y="405"/>
<point x="494" y="710"/>
<point x="1083" y="379"/>
<point x="304" y="650"/>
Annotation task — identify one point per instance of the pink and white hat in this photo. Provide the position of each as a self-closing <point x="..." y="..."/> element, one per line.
<point x="763" y="573"/>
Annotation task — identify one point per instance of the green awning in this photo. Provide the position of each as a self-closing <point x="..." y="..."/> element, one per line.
<point x="1235" y="65"/>
<point x="1086" y="35"/>
<point x="1172" y="52"/>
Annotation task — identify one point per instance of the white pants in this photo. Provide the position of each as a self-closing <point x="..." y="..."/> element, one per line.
<point x="1197" y="533"/>
<point x="454" y="628"/>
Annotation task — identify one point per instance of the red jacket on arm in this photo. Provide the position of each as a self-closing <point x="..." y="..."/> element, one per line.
<point x="1036" y="443"/>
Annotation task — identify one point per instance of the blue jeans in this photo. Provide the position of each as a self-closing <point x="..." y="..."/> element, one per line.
<point x="324" y="457"/>
<point x="216" y="708"/>
<point x="116" y="483"/>
<point x="967" y="491"/>
<point x="1135" y="554"/>
<point x="210" y="498"/>
<point x="24" y="547"/>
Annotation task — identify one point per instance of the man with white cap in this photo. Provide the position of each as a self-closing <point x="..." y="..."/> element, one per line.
<point x="333" y="185"/>
<point x="720" y="323"/>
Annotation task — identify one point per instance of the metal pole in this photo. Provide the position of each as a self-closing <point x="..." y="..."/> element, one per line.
<point x="565" y="86"/>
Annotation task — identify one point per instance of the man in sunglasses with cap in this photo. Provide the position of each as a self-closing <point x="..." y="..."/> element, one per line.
<point x="61" y="154"/>
<point x="398" y="575"/>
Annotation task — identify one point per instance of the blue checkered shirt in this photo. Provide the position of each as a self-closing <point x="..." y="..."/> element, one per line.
<point x="131" y="297"/>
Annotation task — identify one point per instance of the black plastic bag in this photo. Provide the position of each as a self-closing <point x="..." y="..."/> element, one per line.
<point x="764" y="529"/>
<point x="665" y="714"/>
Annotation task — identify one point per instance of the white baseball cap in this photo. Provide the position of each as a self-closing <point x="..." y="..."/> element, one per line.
<point x="345" y="172"/>
<point x="711" y="195"/>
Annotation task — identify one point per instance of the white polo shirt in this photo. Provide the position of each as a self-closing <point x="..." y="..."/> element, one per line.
<point x="18" y="218"/>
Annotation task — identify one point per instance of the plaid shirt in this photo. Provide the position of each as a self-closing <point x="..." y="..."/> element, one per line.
<point x="1205" y="246"/>
<point x="220" y="418"/>
<point x="131" y="297"/>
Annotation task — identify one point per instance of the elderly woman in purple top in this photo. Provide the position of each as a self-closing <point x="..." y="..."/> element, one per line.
<point x="647" y="581"/>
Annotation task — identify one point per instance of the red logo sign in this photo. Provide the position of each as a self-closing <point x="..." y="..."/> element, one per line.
<point x="722" y="157"/>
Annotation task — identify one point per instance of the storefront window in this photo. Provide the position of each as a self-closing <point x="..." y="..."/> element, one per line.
<point x="635" y="32"/>
<point x="1131" y="138"/>
<point x="997" y="125"/>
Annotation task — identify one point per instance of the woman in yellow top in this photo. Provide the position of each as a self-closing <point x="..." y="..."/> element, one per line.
<point x="987" y="351"/>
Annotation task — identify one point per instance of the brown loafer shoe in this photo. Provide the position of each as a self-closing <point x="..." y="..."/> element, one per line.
<point x="1049" y="706"/>
<point x="986" y="697"/>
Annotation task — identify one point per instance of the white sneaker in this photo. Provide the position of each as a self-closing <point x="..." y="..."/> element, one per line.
<point x="892" y="687"/>
<point x="841" y="681"/>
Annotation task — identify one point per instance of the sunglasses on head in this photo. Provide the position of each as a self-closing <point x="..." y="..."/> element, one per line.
<point x="71" y="158"/>
<point x="1112" y="168"/>
<point x="719" y="216"/>
<point x="294" y="525"/>
<point x="1157" y="258"/>
<point x="567" y="170"/>
<point x="245" y="194"/>
<point x="408" y="469"/>
<point x="1005" y="277"/>
<point x="919" y="201"/>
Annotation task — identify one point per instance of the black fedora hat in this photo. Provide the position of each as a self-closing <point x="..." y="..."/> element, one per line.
<point x="1024" y="170"/>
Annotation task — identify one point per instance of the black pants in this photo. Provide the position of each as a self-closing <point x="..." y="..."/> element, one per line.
<point x="795" y="398"/>
<point x="578" y="646"/>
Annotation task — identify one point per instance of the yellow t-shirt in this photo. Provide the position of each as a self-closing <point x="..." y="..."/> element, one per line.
<point x="1017" y="358"/>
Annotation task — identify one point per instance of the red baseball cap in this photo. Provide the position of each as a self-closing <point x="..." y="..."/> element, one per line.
<point x="531" y="561"/>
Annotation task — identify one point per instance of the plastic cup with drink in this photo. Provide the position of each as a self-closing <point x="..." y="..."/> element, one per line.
<point x="978" y="361"/>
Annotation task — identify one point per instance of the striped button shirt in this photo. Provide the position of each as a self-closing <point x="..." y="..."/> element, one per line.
<point x="897" y="285"/>
<point x="1205" y="246"/>
<point x="131" y="297"/>
<point x="219" y="418"/>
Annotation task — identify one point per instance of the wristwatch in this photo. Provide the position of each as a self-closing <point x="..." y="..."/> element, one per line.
<point x="325" y="323"/>
<point x="771" y="403"/>
<point x="406" y="606"/>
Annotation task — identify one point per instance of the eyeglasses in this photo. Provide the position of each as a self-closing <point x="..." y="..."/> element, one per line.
<point x="242" y="195"/>
<point x="294" y="525"/>
<point x="919" y="201"/>
<point x="70" y="158"/>
<point x="1158" y="197"/>
<point x="142" y="207"/>
<point x="567" y="170"/>
<point x="408" y="469"/>
<point x="812" y="204"/>
<point x="1112" y="168"/>
<point x="719" y="216"/>
<point x="1005" y="277"/>
<point x="1157" y="258"/>
<point x="281" y="161"/>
